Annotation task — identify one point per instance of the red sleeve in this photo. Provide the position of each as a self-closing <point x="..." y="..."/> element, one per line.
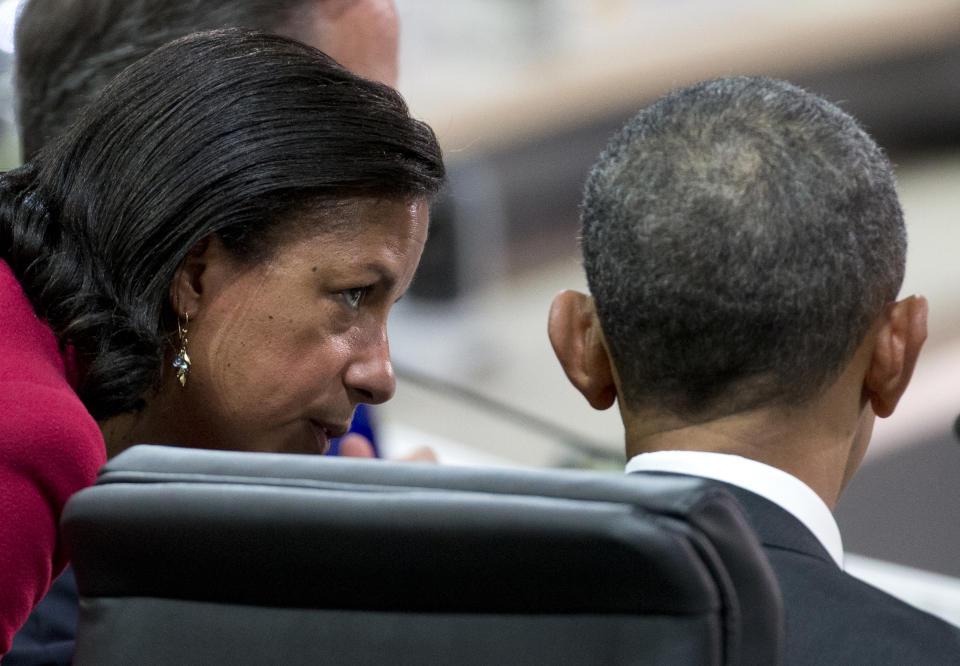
<point x="50" y="447"/>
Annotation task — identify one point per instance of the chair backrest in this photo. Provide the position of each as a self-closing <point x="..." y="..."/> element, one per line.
<point x="196" y="557"/>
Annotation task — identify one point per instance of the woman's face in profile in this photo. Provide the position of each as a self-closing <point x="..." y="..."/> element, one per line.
<point x="284" y="350"/>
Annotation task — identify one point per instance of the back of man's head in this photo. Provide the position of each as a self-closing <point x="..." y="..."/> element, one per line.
<point x="67" y="50"/>
<point x="740" y="237"/>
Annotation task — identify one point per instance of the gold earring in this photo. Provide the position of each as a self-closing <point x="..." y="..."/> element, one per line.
<point x="182" y="360"/>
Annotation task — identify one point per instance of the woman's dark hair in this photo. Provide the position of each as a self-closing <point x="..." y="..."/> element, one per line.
<point x="228" y="132"/>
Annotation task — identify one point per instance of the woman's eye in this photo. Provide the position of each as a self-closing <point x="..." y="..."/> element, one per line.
<point x="354" y="297"/>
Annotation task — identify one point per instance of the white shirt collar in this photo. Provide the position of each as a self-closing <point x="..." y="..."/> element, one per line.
<point x="781" y="488"/>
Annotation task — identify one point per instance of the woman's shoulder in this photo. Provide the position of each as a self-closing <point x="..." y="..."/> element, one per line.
<point x="47" y="434"/>
<point x="44" y="422"/>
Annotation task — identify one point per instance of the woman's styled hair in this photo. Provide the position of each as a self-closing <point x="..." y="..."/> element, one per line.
<point x="228" y="132"/>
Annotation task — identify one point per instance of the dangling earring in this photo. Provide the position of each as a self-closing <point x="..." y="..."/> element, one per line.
<point x="182" y="360"/>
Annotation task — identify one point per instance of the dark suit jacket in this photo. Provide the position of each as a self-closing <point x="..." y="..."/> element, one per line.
<point x="832" y="617"/>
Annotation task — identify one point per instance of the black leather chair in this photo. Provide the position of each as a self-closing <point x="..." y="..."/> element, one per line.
<point x="202" y="557"/>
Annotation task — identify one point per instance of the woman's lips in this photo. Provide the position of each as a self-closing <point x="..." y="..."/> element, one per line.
<point x="324" y="432"/>
<point x="323" y="439"/>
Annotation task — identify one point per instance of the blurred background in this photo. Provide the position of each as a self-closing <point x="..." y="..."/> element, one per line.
<point x="524" y="93"/>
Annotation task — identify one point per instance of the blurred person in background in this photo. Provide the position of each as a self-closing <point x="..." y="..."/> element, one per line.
<point x="744" y="247"/>
<point x="206" y="257"/>
<point x="66" y="51"/>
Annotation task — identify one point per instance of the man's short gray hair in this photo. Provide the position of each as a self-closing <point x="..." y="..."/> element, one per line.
<point x="739" y="236"/>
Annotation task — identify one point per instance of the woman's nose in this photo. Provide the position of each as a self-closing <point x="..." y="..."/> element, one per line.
<point x="370" y="376"/>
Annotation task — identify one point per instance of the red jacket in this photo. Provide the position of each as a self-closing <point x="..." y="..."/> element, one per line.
<point x="50" y="447"/>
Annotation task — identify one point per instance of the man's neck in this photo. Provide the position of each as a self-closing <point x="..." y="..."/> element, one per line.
<point x="814" y="445"/>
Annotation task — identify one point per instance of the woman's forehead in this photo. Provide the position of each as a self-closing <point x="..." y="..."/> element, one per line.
<point x="347" y="218"/>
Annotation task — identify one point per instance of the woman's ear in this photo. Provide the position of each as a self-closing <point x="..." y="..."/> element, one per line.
<point x="187" y="289"/>
<point x="897" y="344"/>
<point x="577" y="340"/>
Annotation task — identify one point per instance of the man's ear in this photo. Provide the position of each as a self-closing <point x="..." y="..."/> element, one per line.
<point x="577" y="340"/>
<point x="900" y="335"/>
<point x="190" y="281"/>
